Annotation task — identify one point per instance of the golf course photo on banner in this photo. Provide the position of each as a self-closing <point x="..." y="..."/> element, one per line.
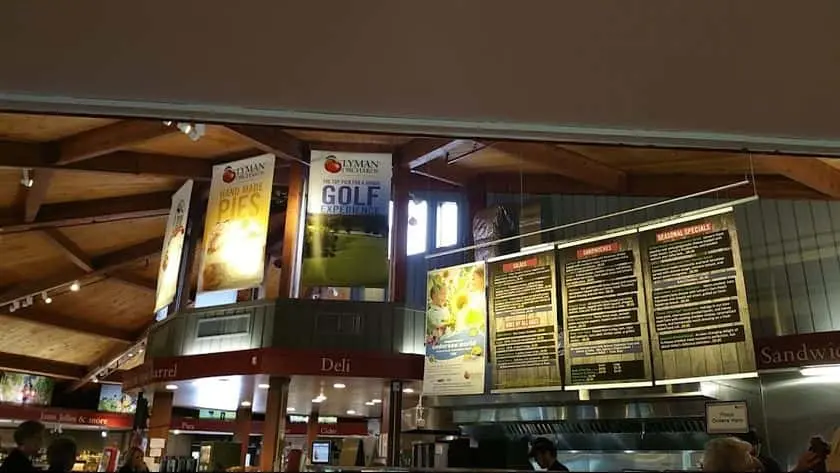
<point x="346" y="236"/>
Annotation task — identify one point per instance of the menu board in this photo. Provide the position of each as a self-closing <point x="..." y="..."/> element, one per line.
<point x="604" y="313"/>
<point x="699" y="319"/>
<point x="456" y="330"/>
<point x="522" y="298"/>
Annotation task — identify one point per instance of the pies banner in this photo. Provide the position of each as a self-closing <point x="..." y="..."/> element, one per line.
<point x="173" y="245"/>
<point x="236" y="227"/>
<point x="346" y="238"/>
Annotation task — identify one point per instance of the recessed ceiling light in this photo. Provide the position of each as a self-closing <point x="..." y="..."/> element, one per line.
<point x="339" y="385"/>
<point x="75" y="286"/>
<point x="290" y="409"/>
<point x="171" y="387"/>
<point x="408" y="390"/>
<point x="246" y="404"/>
<point x="351" y="412"/>
<point x="376" y="401"/>
<point x="263" y="386"/>
<point x="369" y="403"/>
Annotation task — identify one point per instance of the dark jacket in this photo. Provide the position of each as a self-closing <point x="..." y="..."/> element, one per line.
<point x="769" y="465"/>
<point x="17" y="461"/>
<point x="557" y="466"/>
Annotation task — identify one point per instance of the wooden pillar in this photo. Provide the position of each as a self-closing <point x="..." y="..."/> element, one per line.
<point x="312" y="431"/>
<point x="399" y="240"/>
<point x="160" y="419"/>
<point x="243" y="430"/>
<point x="274" y="427"/>
<point x="393" y="420"/>
<point x="193" y="231"/>
<point x="295" y="220"/>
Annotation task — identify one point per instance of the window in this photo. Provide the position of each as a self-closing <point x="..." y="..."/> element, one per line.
<point x="418" y="224"/>
<point x="446" y="226"/>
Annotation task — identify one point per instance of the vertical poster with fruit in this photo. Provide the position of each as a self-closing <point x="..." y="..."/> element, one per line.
<point x="173" y="245"/>
<point x="113" y="399"/>
<point x="28" y="389"/>
<point x="522" y="296"/>
<point x="456" y="330"/>
<point x="236" y="226"/>
<point x="346" y="235"/>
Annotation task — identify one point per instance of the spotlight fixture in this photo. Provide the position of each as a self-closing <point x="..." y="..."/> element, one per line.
<point x="46" y="298"/>
<point x="26" y="179"/>
<point x="14" y="306"/>
<point x="75" y="286"/>
<point x="104" y="434"/>
<point x="95" y="380"/>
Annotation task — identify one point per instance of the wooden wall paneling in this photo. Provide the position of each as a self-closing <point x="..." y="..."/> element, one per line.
<point x="829" y="255"/>
<point x="811" y="266"/>
<point x="797" y="284"/>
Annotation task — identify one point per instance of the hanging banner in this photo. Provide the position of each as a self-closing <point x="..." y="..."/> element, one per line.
<point x="27" y="389"/>
<point x="236" y="227"/>
<point x="173" y="245"/>
<point x="522" y="298"/>
<point x="606" y="333"/>
<point x="456" y="330"/>
<point x="346" y="237"/>
<point x="700" y="324"/>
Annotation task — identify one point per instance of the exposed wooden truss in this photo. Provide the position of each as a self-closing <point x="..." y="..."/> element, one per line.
<point x="114" y="137"/>
<point x="273" y="140"/>
<point x="811" y="173"/>
<point x="41" y="366"/>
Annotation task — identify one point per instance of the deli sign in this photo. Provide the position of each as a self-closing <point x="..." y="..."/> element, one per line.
<point x="796" y="351"/>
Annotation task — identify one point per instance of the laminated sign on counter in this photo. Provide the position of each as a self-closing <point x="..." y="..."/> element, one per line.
<point x="236" y="227"/>
<point x="522" y="297"/>
<point x="173" y="246"/>
<point x="606" y="333"/>
<point x="346" y="236"/>
<point x="456" y="330"/>
<point x="700" y="324"/>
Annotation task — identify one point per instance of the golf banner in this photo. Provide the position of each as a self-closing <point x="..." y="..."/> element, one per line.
<point x="236" y="226"/>
<point x="456" y="330"/>
<point x="173" y="245"/>
<point x="346" y="238"/>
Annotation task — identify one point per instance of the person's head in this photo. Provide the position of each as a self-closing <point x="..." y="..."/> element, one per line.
<point x="29" y="437"/>
<point x="61" y="454"/>
<point x="728" y="454"/>
<point x="135" y="458"/>
<point x="438" y="294"/>
<point x="753" y="439"/>
<point x="543" y="452"/>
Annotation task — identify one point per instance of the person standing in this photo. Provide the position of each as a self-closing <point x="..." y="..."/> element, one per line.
<point x="61" y="455"/>
<point x="134" y="462"/>
<point x="544" y="453"/>
<point x="29" y="438"/>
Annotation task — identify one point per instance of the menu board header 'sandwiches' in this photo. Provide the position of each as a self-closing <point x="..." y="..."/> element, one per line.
<point x="236" y="226"/>
<point x="700" y="324"/>
<point x="606" y="333"/>
<point x="522" y="297"/>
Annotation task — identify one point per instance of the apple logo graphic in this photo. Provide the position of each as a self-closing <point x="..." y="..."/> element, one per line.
<point x="332" y="165"/>
<point x="229" y="175"/>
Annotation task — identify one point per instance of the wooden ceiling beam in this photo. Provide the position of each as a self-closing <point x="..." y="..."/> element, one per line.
<point x="40" y="366"/>
<point x="90" y="211"/>
<point x="810" y="172"/>
<point x="69" y="248"/>
<point x="430" y="158"/>
<point x="421" y="151"/>
<point x="560" y="161"/>
<point x="651" y="185"/>
<point x="40" y="316"/>
<point x="109" y="138"/>
<point x="102" y="265"/>
<point x="133" y="280"/>
<point x="36" y="194"/>
<point x="270" y="139"/>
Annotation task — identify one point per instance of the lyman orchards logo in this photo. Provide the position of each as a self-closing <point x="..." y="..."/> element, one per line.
<point x="334" y="165"/>
<point x="247" y="171"/>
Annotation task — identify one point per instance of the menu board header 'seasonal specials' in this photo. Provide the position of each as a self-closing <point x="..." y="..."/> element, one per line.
<point x="456" y="330"/>
<point x="700" y="324"/>
<point x="522" y="297"/>
<point x="606" y="334"/>
<point x="346" y="236"/>
<point x="236" y="226"/>
<point x="173" y="245"/>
